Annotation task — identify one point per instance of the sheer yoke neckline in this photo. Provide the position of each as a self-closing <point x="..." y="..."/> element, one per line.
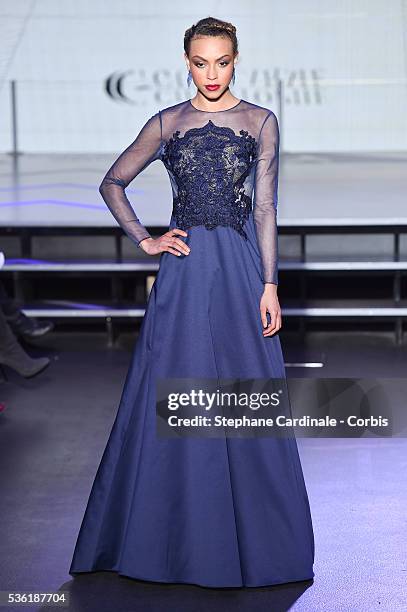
<point x="223" y="171"/>
<point x="218" y="111"/>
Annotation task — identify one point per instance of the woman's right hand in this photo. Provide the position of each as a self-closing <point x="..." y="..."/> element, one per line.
<point x="167" y="242"/>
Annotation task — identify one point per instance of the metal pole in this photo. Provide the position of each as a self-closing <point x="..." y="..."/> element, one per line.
<point x="14" y="126"/>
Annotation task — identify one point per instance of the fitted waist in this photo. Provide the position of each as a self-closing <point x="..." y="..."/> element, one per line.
<point x="230" y="214"/>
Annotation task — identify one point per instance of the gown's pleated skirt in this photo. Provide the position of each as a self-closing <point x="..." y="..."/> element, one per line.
<point x="215" y="512"/>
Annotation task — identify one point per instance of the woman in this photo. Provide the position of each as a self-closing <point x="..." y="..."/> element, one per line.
<point x="12" y="353"/>
<point x="214" y="512"/>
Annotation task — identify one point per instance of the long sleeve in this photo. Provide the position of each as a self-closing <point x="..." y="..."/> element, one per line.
<point x="139" y="154"/>
<point x="266" y="196"/>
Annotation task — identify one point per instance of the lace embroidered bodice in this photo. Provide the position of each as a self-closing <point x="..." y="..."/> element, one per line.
<point x="222" y="165"/>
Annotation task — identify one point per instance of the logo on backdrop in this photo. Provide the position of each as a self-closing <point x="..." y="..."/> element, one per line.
<point x="262" y="86"/>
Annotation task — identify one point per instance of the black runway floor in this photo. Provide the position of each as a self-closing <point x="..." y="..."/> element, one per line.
<point x="53" y="430"/>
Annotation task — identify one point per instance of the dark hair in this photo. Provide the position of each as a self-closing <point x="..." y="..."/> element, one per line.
<point x="210" y="26"/>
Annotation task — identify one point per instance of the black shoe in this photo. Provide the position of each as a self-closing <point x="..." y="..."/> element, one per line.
<point x="15" y="357"/>
<point x="29" y="327"/>
<point x="26" y="366"/>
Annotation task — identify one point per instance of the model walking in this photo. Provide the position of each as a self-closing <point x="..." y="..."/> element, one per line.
<point x="214" y="512"/>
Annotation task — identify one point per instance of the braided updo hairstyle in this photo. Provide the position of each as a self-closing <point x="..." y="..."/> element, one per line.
<point x="210" y="26"/>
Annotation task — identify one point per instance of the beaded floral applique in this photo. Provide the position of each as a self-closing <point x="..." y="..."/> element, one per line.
<point x="211" y="164"/>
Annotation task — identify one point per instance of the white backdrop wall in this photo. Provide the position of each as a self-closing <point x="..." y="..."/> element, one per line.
<point x="342" y="64"/>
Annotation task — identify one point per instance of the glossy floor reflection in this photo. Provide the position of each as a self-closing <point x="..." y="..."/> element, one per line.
<point x="53" y="430"/>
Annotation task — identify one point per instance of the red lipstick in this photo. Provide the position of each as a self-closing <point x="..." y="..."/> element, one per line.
<point x="212" y="87"/>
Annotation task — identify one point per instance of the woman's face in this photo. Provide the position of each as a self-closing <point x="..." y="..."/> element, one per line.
<point x="211" y="62"/>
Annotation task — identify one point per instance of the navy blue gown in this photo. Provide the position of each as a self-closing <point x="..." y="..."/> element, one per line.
<point x="217" y="512"/>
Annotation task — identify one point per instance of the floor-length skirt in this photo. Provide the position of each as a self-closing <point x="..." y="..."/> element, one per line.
<point x="216" y="512"/>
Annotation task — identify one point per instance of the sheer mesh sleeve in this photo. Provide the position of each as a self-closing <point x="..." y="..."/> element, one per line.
<point x="138" y="155"/>
<point x="265" y="197"/>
